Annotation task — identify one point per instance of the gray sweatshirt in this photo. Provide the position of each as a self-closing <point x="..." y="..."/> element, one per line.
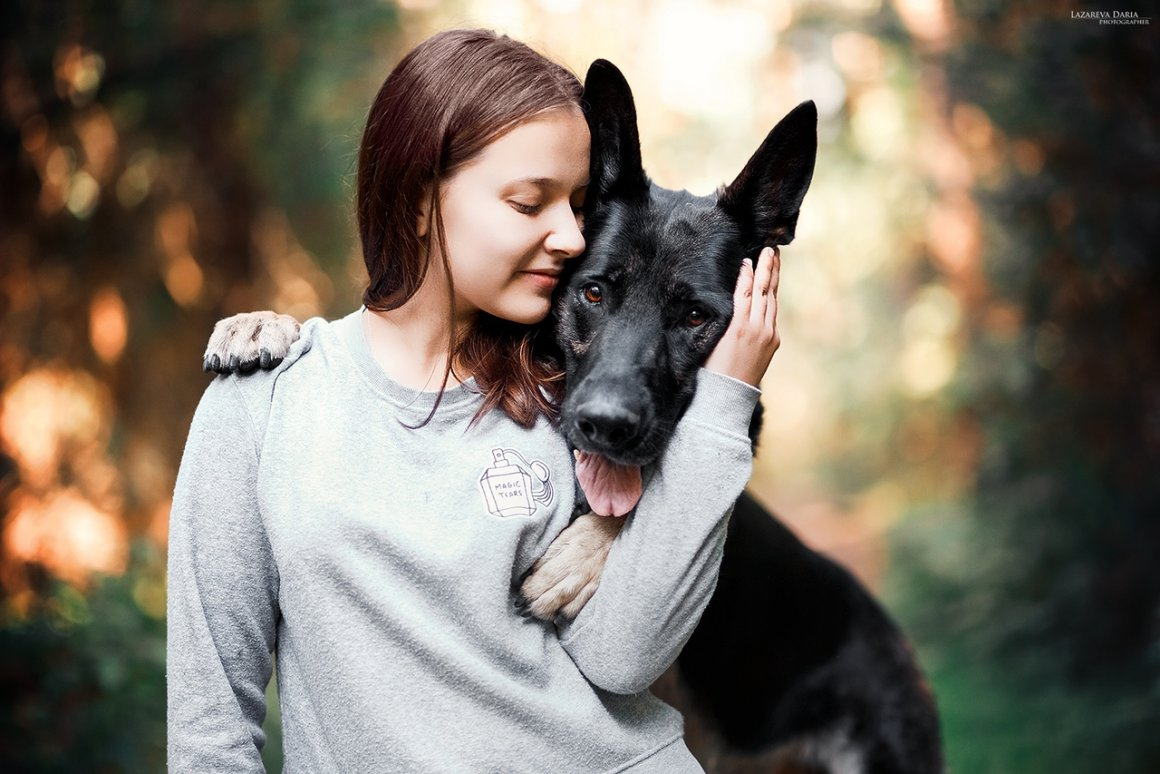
<point x="375" y="564"/>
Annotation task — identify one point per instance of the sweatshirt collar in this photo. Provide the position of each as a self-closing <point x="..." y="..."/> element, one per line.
<point x="458" y="399"/>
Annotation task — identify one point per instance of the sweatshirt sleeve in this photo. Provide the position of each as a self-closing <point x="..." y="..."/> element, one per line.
<point x="662" y="568"/>
<point x="222" y="594"/>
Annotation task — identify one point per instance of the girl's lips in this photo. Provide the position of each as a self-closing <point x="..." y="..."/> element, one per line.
<point x="546" y="280"/>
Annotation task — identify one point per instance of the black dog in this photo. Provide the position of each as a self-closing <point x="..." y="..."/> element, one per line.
<point x="793" y="666"/>
<point x="793" y="662"/>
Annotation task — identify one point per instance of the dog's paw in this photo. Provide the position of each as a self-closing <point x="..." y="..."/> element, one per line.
<point x="562" y="581"/>
<point x="248" y="341"/>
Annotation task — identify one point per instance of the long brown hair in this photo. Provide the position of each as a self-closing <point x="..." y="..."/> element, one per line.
<point x="445" y="101"/>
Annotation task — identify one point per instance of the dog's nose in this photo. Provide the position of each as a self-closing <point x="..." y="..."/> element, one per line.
<point x="607" y="424"/>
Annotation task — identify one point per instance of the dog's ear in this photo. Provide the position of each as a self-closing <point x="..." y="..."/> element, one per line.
<point x="766" y="197"/>
<point x="616" y="168"/>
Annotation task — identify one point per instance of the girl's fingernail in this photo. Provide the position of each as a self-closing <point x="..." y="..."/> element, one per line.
<point x="748" y="262"/>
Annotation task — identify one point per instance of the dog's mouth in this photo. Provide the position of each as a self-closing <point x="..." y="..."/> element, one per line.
<point x="612" y="488"/>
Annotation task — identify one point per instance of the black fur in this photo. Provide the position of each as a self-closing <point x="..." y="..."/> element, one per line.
<point x="791" y="647"/>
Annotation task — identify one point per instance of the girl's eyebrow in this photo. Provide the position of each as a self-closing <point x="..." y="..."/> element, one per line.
<point x="543" y="182"/>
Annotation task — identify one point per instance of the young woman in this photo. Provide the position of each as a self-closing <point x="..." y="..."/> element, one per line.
<point x="362" y="512"/>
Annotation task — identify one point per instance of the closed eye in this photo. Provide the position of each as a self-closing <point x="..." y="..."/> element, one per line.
<point x="526" y="209"/>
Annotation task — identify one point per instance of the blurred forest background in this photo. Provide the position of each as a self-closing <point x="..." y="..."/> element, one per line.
<point x="966" y="407"/>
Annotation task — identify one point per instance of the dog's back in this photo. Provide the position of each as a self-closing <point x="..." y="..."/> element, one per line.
<point x="795" y="664"/>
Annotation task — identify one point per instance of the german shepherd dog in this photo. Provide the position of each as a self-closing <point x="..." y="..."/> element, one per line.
<point x="793" y="666"/>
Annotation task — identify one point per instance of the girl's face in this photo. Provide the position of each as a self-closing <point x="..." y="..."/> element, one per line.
<point x="512" y="217"/>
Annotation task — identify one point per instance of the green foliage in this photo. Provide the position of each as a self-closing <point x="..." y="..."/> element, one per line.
<point x="83" y="680"/>
<point x="1037" y="602"/>
<point x="1008" y="695"/>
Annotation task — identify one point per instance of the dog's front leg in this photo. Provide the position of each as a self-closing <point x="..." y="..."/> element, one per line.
<point x="562" y="581"/>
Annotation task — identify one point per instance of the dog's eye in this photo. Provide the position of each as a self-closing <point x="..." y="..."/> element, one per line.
<point x="695" y="318"/>
<point x="592" y="293"/>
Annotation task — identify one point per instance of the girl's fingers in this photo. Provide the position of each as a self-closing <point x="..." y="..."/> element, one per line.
<point x="761" y="291"/>
<point x="775" y="281"/>
<point x="745" y="349"/>
<point x="743" y="293"/>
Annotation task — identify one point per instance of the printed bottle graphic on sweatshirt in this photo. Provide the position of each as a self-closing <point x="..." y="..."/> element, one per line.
<point x="512" y="486"/>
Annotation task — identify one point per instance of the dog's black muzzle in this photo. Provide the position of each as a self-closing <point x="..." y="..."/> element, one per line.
<point x="608" y="421"/>
<point x="613" y="408"/>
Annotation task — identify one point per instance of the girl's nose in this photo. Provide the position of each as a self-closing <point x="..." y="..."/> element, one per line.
<point x="565" y="238"/>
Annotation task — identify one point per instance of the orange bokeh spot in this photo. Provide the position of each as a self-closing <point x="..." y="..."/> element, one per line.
<point x="67" y="534"/>
<point x="175" y="232"/>
<point x="953" y="233"/>
<point x="158" y="529"/>
<point x="44" y="412"/>
<point x="108" y="325"/>
<point x="929" y="21"/>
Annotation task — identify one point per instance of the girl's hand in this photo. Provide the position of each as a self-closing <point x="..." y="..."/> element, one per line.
<point x="748" y="345"/>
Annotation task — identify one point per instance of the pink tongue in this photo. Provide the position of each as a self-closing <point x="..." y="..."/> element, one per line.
<point x="612" y="489"/>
